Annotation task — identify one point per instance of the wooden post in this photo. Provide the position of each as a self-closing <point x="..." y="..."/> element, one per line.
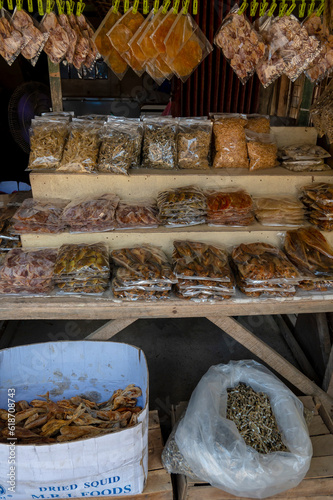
<point x="55" y="86"/>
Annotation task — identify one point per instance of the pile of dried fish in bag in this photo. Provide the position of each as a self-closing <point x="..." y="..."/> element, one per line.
<point x="253" y="416"/>
<point x="43" y="421"/>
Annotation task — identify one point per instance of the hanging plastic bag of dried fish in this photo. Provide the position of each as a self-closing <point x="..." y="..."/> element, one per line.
<point x="243" y="432"/>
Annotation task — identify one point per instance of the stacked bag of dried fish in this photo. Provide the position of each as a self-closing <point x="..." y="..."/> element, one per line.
<point x="28" y="271"/>
<point x="45" y="421"/>
<point x="309" y="250"/>
<point x="132" y="215"/>
<point x="243" y="432"/>
<point x="35" y="216"/>
<point x="7" y="239"/>
<point x="229" y="208"/>
<point x="142" y="272"/>
<point x="304" y="158"/>
<point x="263" y="269"/>
<point x="183" y="206"/>
<point x="318" y="200"/>
<point x="92" y="214"/>
<point x="203" y="272"/>
<point x="82" y="268"/>
<point x="279" y="211"/>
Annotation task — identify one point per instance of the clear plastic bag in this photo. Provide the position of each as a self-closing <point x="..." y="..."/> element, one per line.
<point x="120" y="35"/>
<point x="30" y="29"/>
<point x="303" y="152"/>
<point x="186" y="46"/>
<point x="58" y="42"/>
<point x="47" y="141"/>
<point x="229" y="207"/>
<point x="201" y="264"/>
<point x="82" y="261"/>
<point x="72" y="37"/>
<point x="162" y="24"/>
<point x="82" y="146"/>
<point x="131" y="215"/>
<point x="182" y="206"/>
<point x="194" y="143"/>
<point x="12" y="40"/>
<point x="159" y="148"/>
<point x="88" y="32"/>
<point x="120" y="146"/>
<point x="258" y="123"/>
<point x="146" y="263"/>
<point x="82" y="46"/>
<point x="137" y="128"/>
<point x="305" y="165"/>
<point x="262" y="150"/>
<point x="230" y="141"/>
<point x="322" y="65"/>
<point x="38" y="216"/>
<point x="212" y="449"/>
<point x="97" y="214"/>
<point x="28" y="271"/>
<point x="279" y="211"/>
<point x="241" y="44"/>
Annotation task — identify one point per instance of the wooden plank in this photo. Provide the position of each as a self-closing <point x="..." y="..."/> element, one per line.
<point x="296" y="349"/>
<point x="328" y="377"/>
<point x="271" y="357"/>
<point x="104" y="308"/>
<point x="209" y="493"/>
<point x="155" y="449"/>
<point x="320" y="467"/>
<point x="109" y="330"/>
<point x="269" y="181"/>
<point x="322" y="446"/>
<point x="324" y="336"/>
<point x="164" y="236"/>
<point x="326" y="413"/>
<point x="55" y="86"/>
<point x="317" y="426"/>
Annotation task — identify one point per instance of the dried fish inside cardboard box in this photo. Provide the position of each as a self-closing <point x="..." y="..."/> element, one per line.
<point x="82" y="146"/>
<point x="159" y="149"/>
<point x="193" y="143"/>
<point x="45" y="421"/>
<point x="120" y="146"/>
<point x="29" y="271"/>
<point x="47" y="142"/>
<point x="279" y="211"/>
<point x="38" y="216"/>
<point x="229" y="207"/>
<point x="309" y="250"/>
<point x="253" y="416"/>
<point x="242" y="46"/>
<point x="182" y="206"/>
<point x="91" y="214"/>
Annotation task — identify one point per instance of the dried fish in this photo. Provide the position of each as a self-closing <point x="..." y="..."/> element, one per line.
<point x="70" y="419"/>
<point x="253" y="416"/>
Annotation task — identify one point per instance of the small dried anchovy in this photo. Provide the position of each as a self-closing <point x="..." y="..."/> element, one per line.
<point x="252" y="413"/>
<point x="159" y="146"/>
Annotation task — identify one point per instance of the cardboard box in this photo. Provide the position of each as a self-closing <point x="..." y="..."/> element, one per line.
<point x="113" y="464"/>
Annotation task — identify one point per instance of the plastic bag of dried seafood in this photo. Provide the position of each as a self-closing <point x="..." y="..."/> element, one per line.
<point x="262" y="150"/>
<point x="120" y="146"/>
<point x="193" y="143"/>
<point x="229" y="141"/>
<point x="29" y="27"/>
<point x="12" y="40"/>
<point x="159" y="148"/>
<point x="207" y="445"/>
<point x="241" y="44"/>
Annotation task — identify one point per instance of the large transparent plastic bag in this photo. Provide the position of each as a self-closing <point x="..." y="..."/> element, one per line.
<point x="213" y="450"/>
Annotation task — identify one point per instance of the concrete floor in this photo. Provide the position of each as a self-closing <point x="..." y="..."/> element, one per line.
<point x="178" y="351"/>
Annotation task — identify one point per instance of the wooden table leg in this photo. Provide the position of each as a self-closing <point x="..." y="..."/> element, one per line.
<point x="110" y="329"/>
<point x="328" y="377"/>
<point x="272" y="358"/>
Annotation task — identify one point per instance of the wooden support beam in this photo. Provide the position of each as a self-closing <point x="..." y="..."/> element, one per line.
<point x="324" y="336"/>
<point x="271" y="357"/>
<point x="55" y="86"/>
<point x="328" y="377"/>
<point x="110" y="329"/>
<point x="296" y="349"/>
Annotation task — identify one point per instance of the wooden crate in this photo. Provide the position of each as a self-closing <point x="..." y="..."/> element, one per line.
<point x="159" y="485"/>
<point x="318" y="483"/>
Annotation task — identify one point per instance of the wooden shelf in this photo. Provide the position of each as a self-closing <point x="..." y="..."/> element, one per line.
<point x="89" y="307"/>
